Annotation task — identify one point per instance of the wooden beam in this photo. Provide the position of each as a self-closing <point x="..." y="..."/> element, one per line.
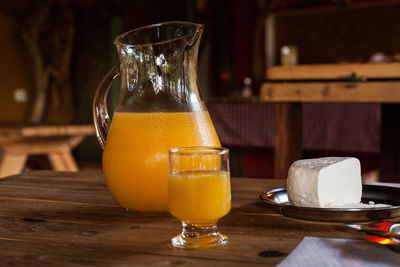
<point x="382" y="92"/>
<point x="37" y="147"/>
<point x="13" y="132"/>
<point x="61" y="130"/>
<point x="334" y="71"/>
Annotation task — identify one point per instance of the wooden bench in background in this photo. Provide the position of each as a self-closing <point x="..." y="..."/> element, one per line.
<point x="17" y="143"/>
<point x="289" y="86"/>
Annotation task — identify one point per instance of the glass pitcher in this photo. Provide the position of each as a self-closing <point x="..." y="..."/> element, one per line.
<point x="159" y="107"/>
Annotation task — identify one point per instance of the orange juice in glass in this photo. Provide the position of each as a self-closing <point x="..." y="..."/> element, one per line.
<point x="135" y="157"/>
<point x="199" y="194"/>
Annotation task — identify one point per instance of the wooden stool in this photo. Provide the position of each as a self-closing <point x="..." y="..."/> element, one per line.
<point x="57" y="142"/>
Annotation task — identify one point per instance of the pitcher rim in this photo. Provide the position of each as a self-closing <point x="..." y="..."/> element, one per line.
<point x="118" y="39"/>
<point x="198" y="151"/>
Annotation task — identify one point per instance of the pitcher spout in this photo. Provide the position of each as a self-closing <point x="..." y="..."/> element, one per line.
<point x="161" y="33"/>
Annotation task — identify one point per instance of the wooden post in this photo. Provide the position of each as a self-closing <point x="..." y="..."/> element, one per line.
<point x="287" y="142"/>
<point x="63" y="161"/>
<point x="11" y="164"/>
<point x="390" y="144"/>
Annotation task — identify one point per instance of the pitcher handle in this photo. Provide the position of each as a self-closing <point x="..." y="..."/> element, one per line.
<point x="101" y="118"/>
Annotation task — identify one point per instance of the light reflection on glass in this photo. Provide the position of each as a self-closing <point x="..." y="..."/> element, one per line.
<point x="380" y="240"/>
<point x="385" y="226"/>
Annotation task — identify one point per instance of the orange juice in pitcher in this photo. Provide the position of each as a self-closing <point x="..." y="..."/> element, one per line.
<point x="159" y="107"/>
<point x="135" y="158"/>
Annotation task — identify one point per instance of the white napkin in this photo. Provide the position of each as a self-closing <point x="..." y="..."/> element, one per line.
<point x="329" y="252"/>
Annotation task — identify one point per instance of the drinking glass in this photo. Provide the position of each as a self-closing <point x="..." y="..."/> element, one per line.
<point x="199" y="194"/>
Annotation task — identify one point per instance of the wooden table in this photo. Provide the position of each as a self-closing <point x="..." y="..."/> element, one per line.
<point x="62" y="219"/>
<point x="17" y="143"/>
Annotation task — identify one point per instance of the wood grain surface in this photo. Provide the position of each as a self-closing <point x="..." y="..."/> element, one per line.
<point x="334" y="71"/>
<point x="70" y="219"/>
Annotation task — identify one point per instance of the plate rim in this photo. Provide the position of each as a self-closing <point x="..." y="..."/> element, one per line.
<point x="275" y="190"/>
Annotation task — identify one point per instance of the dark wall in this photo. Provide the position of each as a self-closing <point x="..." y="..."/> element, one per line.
<point x="140" y="13"/>
<point x="340" y="34"/>
<point x="98" y="23"/>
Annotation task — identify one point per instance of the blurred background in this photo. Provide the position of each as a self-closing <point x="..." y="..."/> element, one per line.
<point x="55" y="53"/>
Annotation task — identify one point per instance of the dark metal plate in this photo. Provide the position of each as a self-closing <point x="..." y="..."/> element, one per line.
<point x="278" y="199"/>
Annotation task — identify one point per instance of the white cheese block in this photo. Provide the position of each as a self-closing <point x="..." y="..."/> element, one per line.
<point x="325" y="182"/>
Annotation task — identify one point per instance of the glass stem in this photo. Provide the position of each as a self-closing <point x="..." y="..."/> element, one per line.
<point x="199" y="231"/>
<point x="199" y="236"/>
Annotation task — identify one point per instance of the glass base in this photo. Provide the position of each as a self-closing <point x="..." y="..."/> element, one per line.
<point x="199" y="236"/>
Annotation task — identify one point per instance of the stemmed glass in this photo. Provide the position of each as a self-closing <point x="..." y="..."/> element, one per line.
<point x="199" y="194"/>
